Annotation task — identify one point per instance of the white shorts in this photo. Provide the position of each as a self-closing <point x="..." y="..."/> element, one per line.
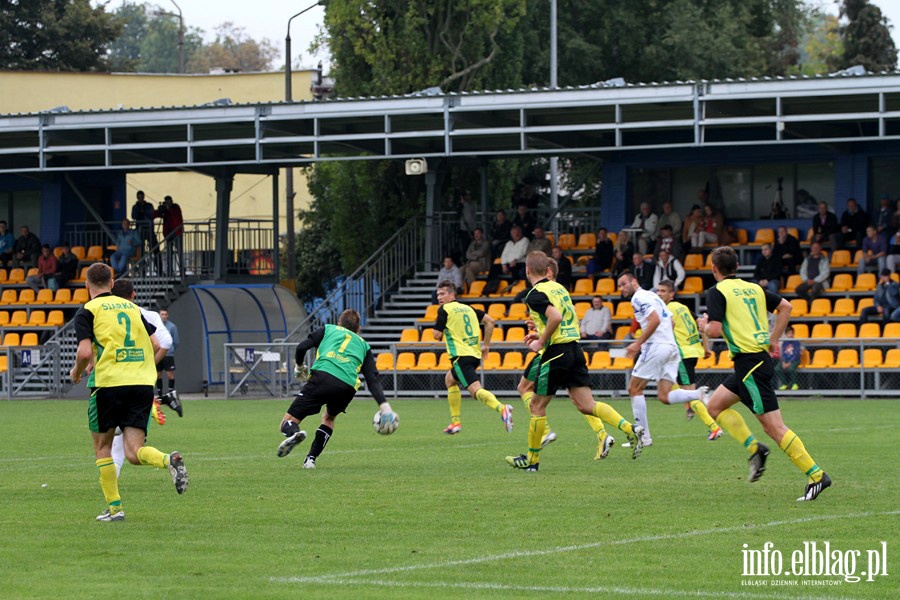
<point x="657" y="362"/>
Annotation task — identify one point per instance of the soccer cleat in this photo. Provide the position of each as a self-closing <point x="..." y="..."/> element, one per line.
<point x="782" y="387"/>
<point x="814" y="489"/>
<point x="715" y="434"/>
<point x="179" y="473"/>
<point x="518" y="462"/>
<point x="757" y="463"/>
<point x="309" y="463"/>
<point x="795" y="387"/>
<point x="158" y="415"/>
<point x="635" y="439"/>
<point x="453" y="428"/>
<point x="689" y="413"/>
<point x="549" y="438"/>
<point x="506" y="417"/>
<point x="704" y="394"/>
<point x="285" y="447"/>
<point x="604" y="443"/>
<point x="171" y="400"/>
<point x="108" y="517"/>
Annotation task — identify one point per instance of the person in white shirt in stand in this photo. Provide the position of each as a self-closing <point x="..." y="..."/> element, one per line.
<point x="597" y="322"/>
<point x="668" y="268"/>
<point x="646" y="221"/>
<point x="659" y="357"/>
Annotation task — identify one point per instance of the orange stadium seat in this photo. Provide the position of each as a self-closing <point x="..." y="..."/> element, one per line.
<point x="80" y="296"/>
<point x="514" y="290"/>
<point x="44" y="296"/>
<point x="11" y="339"/>
<point x="693" y="262"/>
<point x="766" y="235"/>
<point x="26" y="296"/>
<point x="427" y="335"/>
<point x="16" y="276"/>
<point x="606" y="286"/>
<point x="801" y="330"/>
<point x="515" y="334"/>
<point x="9" y="297"/>
<point x="872" y="358"/>
<point x="427" y="361"/>
<point x="583" y="287"/>
<point x="497" y="335"/>
<point x="869" y="331"/>
<point x="865" y="282"/>
<point x="847" y="358"/>
<point x="79" y="251"/>
<point x="799" y="307"/>
<point x="94" y="254"/>
<point x="19" y="318"/>
<point x="512" y="361"/>
<point x="845" y="331"/>
<point x="475" y="290"/>
<point x="692" y="285"/>
<point x="4" y="318"/>
<point x="37" y="318"/>
<point x="725" y="361"/>
<point x="63" y="296"/>
<point x="406" y="361"/>
<point x="840" y="259"/>
<point x="587" y="241"/>
<point x="742" y="237"/>
<point x="822" y="331"/>
<point x="443" y="362"/>
<point x="3" y="276"/>
<point x="409" y="335"/>
<point x="517" y="312"/>
<point x="843" y="307"/>
<point x="823" y="358"/>
<point x="581" y="308"/>
<point x="841" y="283"/>
<point x="55" y="318"/>
<point x="622" y="331"/>
<point x="30" y="339"/>
<point x="430" y="315"/>
<point x="624" y="310"/>
<point x="891" y="331"/>
<point x="707" y="363"/>
<point x="622" y="363"/>
<point x="497" y="311"/>
<point x="600" y="360"/>
<point x="892" y="359"/>
<point x="791" y="284"/>
<point x="820" y="307"/>
<point x="863" y="303"/>
<point x="566" y="241"/>
<point x="384" y="362"/>
<point x="491" y="362"/>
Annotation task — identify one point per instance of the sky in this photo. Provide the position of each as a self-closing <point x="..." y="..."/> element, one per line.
<point x="268" y="19"/>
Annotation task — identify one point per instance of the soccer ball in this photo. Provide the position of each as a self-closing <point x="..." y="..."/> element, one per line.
<point x="385" y="423"/>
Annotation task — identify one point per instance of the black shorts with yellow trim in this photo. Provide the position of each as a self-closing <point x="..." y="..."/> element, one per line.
<point x="687" y="371"/>
<point x="465" y="370"/>
<point x="752" y="382"/>
<point x="121" y="406"/>
<point x="562" y="366"/>
<point x="322" y="389"/>
<point x="533" y="368"/>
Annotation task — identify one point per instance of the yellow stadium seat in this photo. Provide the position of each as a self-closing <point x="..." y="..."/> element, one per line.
<point x="892" y="359"/>
<point x="804" y="358"/>
<point x="581" y="308"/>
<point x="9" y="297"/>
<point x="583" y="287"/>
<point x="477" y="306"/>
<point x="843" y="307"/>
<point x="845" y="331"/>
<point x="82" y="277"/>
<point x="600" y="360"/>
<point x="822" y="331"/>
<point x="55" y="318"/>
<point x="515" y="334"/>
<point x="517" y="312"/>
<point x="864" y="303"/>
<point x="30" y="339"/>
<point x="497" y="335"/>
<point x="865" y="282"/>
<point x="587" y="241"/>
<point x="26" y="296"/>
<point x="821" y="307"/>
<point x="529" y="357"/>
<point x="605" y="287"/>
<point x="791" y="284"/>
<point x="566" y="241"/>
<point x="497" y="311"/>
<point x="44" y="296"/>
<point x="80" y="296"/>
<point x="491" y="362"/>
<point x="409" y="335"/>
<point x="430" y="315"/>
<point x="427" y="335"/>
<point x="512" y="361"/>
<point x="869" y="331"/>
<point x="872" y="358"/>
<point x="799" y="307"/>
<point x="16" y="276"/>
<point x="3" y="276"/>
<point x="891" y="331"/>
<point x="823" y="358"/>
<point x="11" y="339"/>
<point x="842" y="282"/>
<point x="79" y="251"/>
<point x="406" y="361"/>
<point x="384" y="362"/>
<point x="443" y="362"/>
<point x="514" y="290"/>
<point x="94" y="254"/>
<point x="794" y="232"/>
<point x="4" y="363"/>
<point x="37" y="318"/>
<point x="475" y="290"/>
<point x="725" y="361"/>
<point x="840" y="259"/>
<point x="624" y="310"/>
<point x="707" y="363"/>
<point x="693" y="262"/>
<point x="692" y="285"/>
<point x="612" y="236"/>
<point x="4" y="318"/>
<point x="19" y="318"/>
<point x="766" y="235"/>
<point x="427" y="361"/>
<point x="742" y="237"/>
<point x="847" y="358"/>
<point x="622" y="363"/>
<point x="63" y="296"/>
<point x="550" y="238"/>
<point x="801" y="330"/>
<point x="622" y="331"/>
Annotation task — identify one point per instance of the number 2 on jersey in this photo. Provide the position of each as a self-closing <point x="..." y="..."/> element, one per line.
<point x="123" y="318"/>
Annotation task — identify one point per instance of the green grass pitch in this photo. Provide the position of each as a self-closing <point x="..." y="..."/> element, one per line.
<point x="421" y="514"/>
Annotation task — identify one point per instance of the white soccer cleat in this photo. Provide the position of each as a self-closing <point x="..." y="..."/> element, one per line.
<point x="309" y="463"/>
<point x="704" y="394"/>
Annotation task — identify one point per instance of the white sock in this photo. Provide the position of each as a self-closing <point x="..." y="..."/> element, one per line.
<point x="681" y="396"/>
<point x="639" y="408"/>
<point x="118" y="452"/>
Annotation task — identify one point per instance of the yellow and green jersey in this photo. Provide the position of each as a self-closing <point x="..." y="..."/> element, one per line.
<point x="460" y="325"/>
<point x="687" y="334"/>
<point x="546" y="293"/>
<point x="123" y="352"/>
<point x="339" y="352"/>
<point x="742" y="308"/>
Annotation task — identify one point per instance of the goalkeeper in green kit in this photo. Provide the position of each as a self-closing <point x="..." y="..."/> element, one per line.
<point x="341" y="354"/>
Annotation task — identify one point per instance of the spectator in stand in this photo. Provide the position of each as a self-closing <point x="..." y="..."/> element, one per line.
<point x="499" y="233"/>
<point x="853" y="224"/>
<point x="768" y="270"/>
<point x="173" y="222"/>
<point x="7" y="245"/>
<point x="893" y="257"/>
<point x="624" y="249"/>
<point x="788" y="361"/>
<point x="68" y="265"/>
<point x="874" y="251"/>
<point x="48" y="271"/>
<point x="449" y="272"/>
<point x="524" y="220"/>
<point x="825" y="227"/>
<point x="895" y="220"/>
<point x="668" y="217"/>
<point x="668" y="242"/>
<point x="27" y="249"/>
<point x="884" y="216"/>
<point x="604" y="253"/>
<point x="539" y="242"/>
<point x="564" y="267"/>
<point x="643" y="270"/>
<point x="127" y="243"/>
<point x="646" y="221"/>
<point x="814" y="273"/>
<point x="142" y="214"/>
<point x="886" y="302"/>
<point x="512" y="261"/>
<point x="668" y="268"/>
<point x="597" y="322"/>
<point x="478" y="256"/>
<point x="710" y="228"/>
<point x="787" y="249"/>
<point x="692" y="224"/>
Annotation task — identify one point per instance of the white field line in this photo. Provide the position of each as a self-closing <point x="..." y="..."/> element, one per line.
<point x="528" y="554"/>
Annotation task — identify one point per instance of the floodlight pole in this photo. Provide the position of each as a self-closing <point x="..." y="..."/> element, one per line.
<point x="554" y="83"/>
<point x="180" y="38"/>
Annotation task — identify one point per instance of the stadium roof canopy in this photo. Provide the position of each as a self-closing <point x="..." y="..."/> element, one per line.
<point x="595" y="119"/>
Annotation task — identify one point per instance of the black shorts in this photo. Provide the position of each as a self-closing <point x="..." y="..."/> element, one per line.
<point x="562" y="366"/>
<point x="465" y="370"/>
<point x="167" y="363"/>
<point x="533" y="368"/>
<point x="121" y="406"/>
<point x="752" y="381"/>
<point x="687" y="371"/>
<point x="322" y="389"/>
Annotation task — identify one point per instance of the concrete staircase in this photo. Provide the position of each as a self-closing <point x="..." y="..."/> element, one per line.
<point x="400" y="311"/>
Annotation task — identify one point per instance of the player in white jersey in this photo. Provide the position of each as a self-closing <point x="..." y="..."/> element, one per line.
<point x="659" y="357"/>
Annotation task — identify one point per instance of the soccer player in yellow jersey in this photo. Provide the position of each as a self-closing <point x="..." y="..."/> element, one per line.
<point x="691" y="345"/>
<point x="459" y="326"/>
<point x="738" y="309"/>
<point x="562" y="362"/>
<point x="114" y="337"/>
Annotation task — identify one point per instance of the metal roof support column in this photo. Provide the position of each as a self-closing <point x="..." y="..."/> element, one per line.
<point x="485" y="217"/>
<point x="276" y="233"/>
<point x="224" y="185"/>
<point x="430" y="180"/>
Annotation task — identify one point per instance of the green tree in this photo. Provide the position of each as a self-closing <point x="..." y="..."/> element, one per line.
<point x="822" y="46"/>
<point x="233" y="50"/>
<point x="125" y="51"/>
<point x="55" y="35"/>
<point x="867" y="38"/>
